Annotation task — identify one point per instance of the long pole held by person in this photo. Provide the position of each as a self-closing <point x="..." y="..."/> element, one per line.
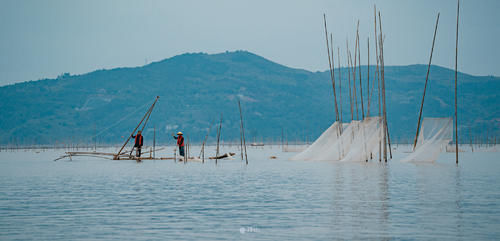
<point x="148" y="113"/>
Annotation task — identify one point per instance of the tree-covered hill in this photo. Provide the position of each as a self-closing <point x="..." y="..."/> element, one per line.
<point x="195" y="89"/>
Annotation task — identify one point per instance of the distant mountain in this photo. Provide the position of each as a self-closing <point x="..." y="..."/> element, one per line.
<point x="195" y="89"/>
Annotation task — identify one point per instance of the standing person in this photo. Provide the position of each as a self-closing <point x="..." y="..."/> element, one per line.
<point x="180" y="142"/>
<point x="138" y="143"/>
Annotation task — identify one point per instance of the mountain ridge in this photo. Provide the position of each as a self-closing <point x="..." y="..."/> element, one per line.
<point x="196" y="87"/>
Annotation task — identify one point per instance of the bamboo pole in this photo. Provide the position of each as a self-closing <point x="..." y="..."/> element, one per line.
<point x="154" y="141"/>
<point x="354" y="73"/>
<point x="339" y="131"/>
<point x="340" y="87"/>
<point x="349" y="78"/>
<point x="386" y="133"/>
<point x="381" y="44"/>
<point x="331" y="69"/>
<point x="354" y="91"/>
<point x="377" y="74"/>
<point x="333" y="79"/>
<point x="186" y="153"/>
<point x="425" y="86"/>
<point x="359" y="68"/>
<point x="456" y="70"/>
<point x="282" y="139"/>
<point x="202" y="151"/>
<point x="368" y="83"/>
<point x="130" y="136"/>
<point x="341" y="126"/>
<point x="243" y="132"/>
<point x="143" y="126"/>
<point x="368" y="78"/>
<point x="218" y="138"/>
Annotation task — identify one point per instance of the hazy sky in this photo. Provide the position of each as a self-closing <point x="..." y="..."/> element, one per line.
<point x="41" y="39"/>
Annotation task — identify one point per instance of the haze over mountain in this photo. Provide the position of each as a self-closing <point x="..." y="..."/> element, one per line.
<point x="195" y="89"/>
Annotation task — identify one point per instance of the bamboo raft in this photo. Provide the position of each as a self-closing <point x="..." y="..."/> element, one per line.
<point x="127" y="154"/>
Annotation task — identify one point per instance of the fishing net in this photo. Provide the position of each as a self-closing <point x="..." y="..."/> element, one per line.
<point x="435" y="134"/>
<point x="356" y="141"/>
<point x="326" y="147"/>
<point x="364" y="139"/>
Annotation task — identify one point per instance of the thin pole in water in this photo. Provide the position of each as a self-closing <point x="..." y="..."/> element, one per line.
<point x="383" y="86"/>
<point x="360" y="84"/>
<point x="243" y="132"/>
<point x="154" y="141"/>
<point x="377" y="73"/>
<point x="349" y="77"/>
<point x="456" y="70"/>
<point x="333" y="79"/>
<point x="218" y="138"/>
<point x="354" y="97"/>
<point x="331" y="68"/>
<point x="354" y="73"/>
<point x="340" y="85"/>
<point x="368" y="78"/>
<point x="425" y="86"/>
<point x="381" y="46"/>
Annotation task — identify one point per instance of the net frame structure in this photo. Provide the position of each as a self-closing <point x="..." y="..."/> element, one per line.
<point x="435" y="134"/>
<point x="354" y="141"/>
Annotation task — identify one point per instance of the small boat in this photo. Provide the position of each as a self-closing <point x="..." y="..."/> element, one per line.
<point x="225" y="155"/>
<point x="122" y="154"/>
<point x="257" y="144"/>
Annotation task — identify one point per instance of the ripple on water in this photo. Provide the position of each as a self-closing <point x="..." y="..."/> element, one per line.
<point x="266" y="200"/>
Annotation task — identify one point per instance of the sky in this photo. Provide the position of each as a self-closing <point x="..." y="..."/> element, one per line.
<point x="43" y="39"/>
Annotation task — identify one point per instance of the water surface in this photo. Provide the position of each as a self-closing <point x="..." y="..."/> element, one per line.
<point x="270" y="199"/>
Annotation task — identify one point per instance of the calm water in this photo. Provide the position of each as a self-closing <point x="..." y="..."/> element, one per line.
<point x="270" y="199"/>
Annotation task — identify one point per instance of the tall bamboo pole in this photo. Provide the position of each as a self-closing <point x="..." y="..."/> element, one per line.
<point x="340" y="86"/>
<point x="387" y="138"/>
<point x="377" y="74"/>
<point x="333" y="79"/>
<point x="360" y="84"/>
<point x="456" y="70"/>
<point x="349" y="78"/>
<point x="354" y="91"/>
<point x="331" y="69"/>
<point x="425" y="86"/>
<point x="381" y="44"/>
<point x="354" y="72"/>
<point x="368" y="77"/>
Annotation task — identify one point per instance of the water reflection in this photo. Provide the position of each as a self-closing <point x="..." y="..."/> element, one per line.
<point x="283" y="200"/>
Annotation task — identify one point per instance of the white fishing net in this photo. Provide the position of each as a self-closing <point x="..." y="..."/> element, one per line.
<point x="435" y="134"/>
<point x="326" y="147"/>
<point x="356" y="141"/>
<point x="365" y="140"/>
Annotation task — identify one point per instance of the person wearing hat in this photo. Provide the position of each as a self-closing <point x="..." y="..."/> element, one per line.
<point x="138" y="143"/>
<point x="180" y="142"/>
